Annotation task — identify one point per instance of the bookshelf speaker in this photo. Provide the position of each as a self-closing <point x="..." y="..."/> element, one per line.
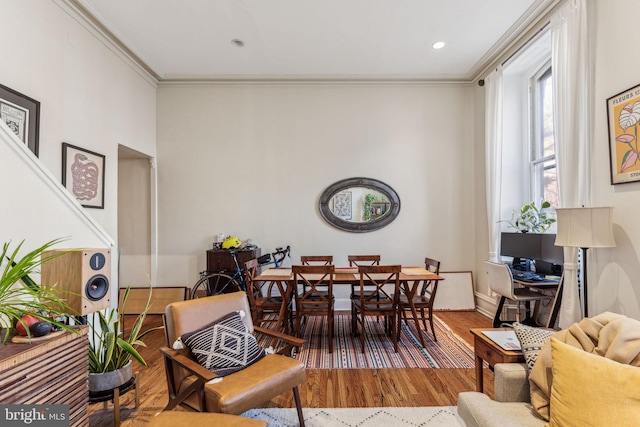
<point x="85" y="274"/>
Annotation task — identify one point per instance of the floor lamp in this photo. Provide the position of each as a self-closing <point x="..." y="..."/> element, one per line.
<point x="585" y="228"/>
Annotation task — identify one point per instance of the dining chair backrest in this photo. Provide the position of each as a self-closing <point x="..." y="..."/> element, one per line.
<point x="317" y="284"/>
<point x="250" y="270"/>
<point x="316" y="259"/>
<point x="381" y="277"/>
<point x="500" y="279"/>
<point x="429" y="287"/>
<point x="357" y="260"/>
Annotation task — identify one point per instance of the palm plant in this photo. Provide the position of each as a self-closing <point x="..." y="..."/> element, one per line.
<point x="19" y="294"/>
<point x="110" y="347"/>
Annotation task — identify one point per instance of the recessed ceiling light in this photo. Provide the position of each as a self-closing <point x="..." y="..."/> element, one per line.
<point x="237" y="42"/>
<point x="438" y="45"/>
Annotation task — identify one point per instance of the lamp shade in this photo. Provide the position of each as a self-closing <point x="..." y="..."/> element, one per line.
<point x="585" y="227"/>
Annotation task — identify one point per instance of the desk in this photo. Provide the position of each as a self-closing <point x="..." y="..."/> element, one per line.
<point x="410" y="278"/>
<point x="553" y="285"/>
<point x="487" y="350"/>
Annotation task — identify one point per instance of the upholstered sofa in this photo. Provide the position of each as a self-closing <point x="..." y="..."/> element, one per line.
<point x="511" y="406"/>
<point x="585" y="375"/>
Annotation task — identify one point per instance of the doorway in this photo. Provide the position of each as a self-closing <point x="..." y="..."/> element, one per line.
<point x="136" y="212"/>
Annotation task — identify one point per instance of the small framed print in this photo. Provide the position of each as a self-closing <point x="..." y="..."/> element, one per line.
<point x="342" y="205"/>
<point x="83" y="175"/>
<point x="623" y="114"/>
<point x="22" y="115"/>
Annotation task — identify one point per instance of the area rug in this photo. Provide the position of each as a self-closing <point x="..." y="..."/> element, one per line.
<point x="430" y="416"/>
<point x="450" y="351"/>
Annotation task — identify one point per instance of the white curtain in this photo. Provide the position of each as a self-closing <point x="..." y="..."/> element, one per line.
<point x="493" y="157"/>
<point x="572" y="108"/>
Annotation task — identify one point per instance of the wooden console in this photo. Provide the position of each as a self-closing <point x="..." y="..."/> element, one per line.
<point x="48" y="371"/>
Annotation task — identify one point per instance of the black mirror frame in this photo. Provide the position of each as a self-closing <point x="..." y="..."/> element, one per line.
<point x="359" y="227"/>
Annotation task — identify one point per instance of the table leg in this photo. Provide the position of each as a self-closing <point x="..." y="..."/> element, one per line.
<point x="479" y="375"/>
<point x="410" y="291"/>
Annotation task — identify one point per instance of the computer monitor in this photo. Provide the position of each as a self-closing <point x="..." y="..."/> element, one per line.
<point x="540" y="248"/>
<point x="549" y="251"/>
<point x="521" y="245"/>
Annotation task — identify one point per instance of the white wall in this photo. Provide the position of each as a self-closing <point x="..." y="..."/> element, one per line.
<point x="89" y="97"/>
<point x="253" y="159"/>
<point x="617" y="271"/>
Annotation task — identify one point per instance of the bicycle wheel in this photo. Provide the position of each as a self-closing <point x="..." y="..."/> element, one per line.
<point x="214" y="284"/>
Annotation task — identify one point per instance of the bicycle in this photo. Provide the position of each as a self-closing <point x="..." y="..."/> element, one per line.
<point x="220" y="282"/>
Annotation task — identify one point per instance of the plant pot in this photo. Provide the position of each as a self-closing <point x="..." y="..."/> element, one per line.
<point x="110" y="379"/>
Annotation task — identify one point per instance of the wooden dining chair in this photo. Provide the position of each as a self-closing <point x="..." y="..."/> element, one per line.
<point x="425" y="295"/>
<point x="317" y="298"/>
<point x="266" y="300"/>
<point x="382" y="302"/>
<point x="356" y="261"/>
<point x="316" y="259"/>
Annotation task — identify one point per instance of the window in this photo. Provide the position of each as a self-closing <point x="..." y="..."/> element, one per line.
<point x="544" y="181"/>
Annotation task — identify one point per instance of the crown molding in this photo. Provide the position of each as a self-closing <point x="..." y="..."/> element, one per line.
<point x="87" y="20"/>
<point x="529" y="25"/>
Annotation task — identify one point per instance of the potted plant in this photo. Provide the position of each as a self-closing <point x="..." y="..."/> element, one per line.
<point x="369" y="199"/>
<point x="531" y="219"/>
<point x="111" y="349"/>
<point x="20" y="295"/>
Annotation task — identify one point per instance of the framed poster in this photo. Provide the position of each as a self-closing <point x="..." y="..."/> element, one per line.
<point x="22" y="115"/>
<point x="623" y="114"/>
<point x="83" y="175"/>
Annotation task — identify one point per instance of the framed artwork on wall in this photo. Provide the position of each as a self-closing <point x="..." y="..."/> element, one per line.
<point x="342" y="205"/>
<point x="83" y="175"/>
<point x="22" y="115"/>
<point x="623" y="115"/>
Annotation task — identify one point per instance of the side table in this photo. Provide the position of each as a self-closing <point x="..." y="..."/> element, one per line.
<point x="488" y="351"/>
<point x="106" y="395"/>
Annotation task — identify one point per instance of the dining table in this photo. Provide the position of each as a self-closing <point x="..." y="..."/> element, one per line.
<point x="410" y="279"/>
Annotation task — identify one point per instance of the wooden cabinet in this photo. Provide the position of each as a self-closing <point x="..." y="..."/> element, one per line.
<point x="52" y="371"/>
<point x="221" y="260"/>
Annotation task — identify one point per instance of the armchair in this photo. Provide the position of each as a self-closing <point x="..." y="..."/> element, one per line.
<point x="190" y="384"/>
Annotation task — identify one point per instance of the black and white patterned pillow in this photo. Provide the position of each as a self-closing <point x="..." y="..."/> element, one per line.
<point x="224" y="346"/>
<point x="531" y="340"/>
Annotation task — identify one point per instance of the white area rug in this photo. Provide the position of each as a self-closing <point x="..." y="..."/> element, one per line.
<point x="431" y="416"/>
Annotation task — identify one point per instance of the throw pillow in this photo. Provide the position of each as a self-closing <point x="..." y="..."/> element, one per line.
<point x="531" y="340"/>
<point x="591" y="390"/>
<point x="224" y="346"/>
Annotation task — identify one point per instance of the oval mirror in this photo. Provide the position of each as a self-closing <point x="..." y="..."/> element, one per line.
<point x="359" y="204"/>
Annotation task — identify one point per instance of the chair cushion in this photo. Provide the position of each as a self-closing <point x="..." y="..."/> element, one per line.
<point x="270" y="376"/>
<point x="589" y="389"/>
<point x="224" y="346"/>
<point x="531" y="340"/>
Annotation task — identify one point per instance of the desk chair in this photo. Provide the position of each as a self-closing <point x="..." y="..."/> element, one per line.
<point x="317" y="298"/>
<point x="501" y="282"/>
<point x="380" y="302"/>
<point x="422" y="300"/>
<point x="189" y="383"/>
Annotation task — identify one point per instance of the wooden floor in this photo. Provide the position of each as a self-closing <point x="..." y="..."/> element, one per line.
<point x="324" y="388"/>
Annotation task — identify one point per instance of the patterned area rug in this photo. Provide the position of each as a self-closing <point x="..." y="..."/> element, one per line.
<point x="450" y="351"/>
<point x="430" y="416"/>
